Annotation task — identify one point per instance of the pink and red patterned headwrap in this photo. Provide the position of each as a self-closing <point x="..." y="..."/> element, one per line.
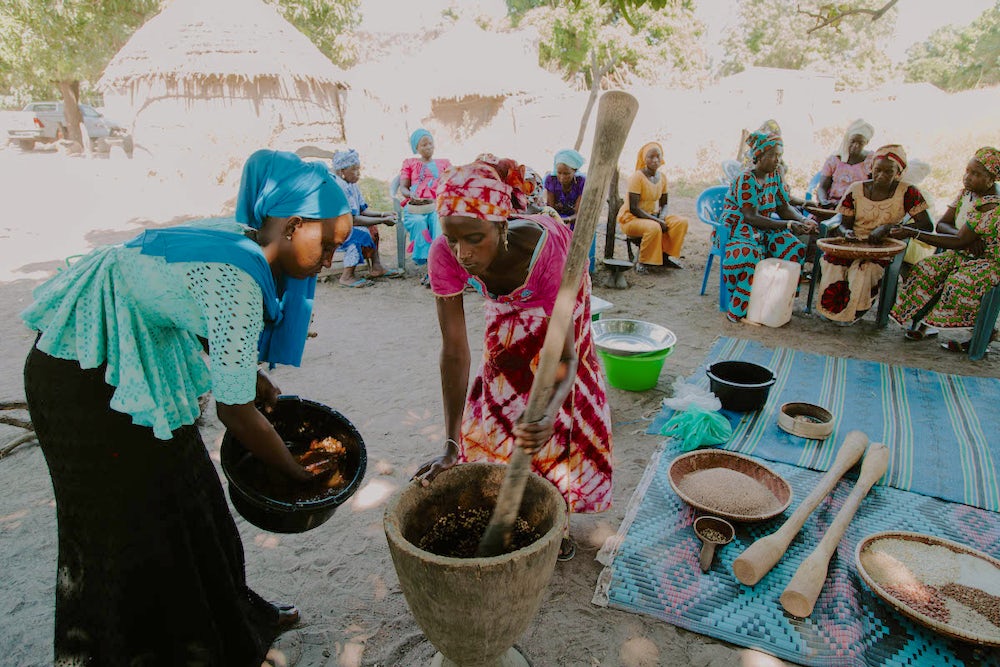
<point x="989" y="157"/>
<point x="490" y="189"/>
<point x="893" y="152"/>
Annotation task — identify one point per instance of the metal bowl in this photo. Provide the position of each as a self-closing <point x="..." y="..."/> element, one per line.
<point x="627" y="338"/>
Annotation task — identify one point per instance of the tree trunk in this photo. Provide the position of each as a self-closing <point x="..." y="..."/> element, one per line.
<point x="595" y="87"/>
<point x="71" y="110"/>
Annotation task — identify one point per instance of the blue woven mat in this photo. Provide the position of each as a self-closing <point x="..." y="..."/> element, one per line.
<point x="943" y="430"/>
<point x="652" y="569"/>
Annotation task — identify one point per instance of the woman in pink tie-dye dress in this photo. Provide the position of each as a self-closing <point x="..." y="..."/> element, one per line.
<point x="516" y="265"/>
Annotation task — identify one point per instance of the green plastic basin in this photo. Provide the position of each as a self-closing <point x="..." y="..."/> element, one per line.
<point x="637" y="372"/>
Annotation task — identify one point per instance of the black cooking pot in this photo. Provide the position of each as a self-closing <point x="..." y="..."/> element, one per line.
<point x="740" y="385"/>
<point x="298" y="421"/>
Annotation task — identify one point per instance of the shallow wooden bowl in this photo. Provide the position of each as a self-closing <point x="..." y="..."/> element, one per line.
<point x="857" y="249"/>
<point x="706" y="459"/>
<point x="983" y="575"/>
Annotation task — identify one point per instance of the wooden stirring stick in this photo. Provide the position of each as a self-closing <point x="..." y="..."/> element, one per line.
<point x="758" y="559"/>
<point x="615" y="113"/>
<point x="803" y="590"/>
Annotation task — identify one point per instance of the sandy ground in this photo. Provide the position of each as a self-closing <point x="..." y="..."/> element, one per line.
<point x="375" y="360"/>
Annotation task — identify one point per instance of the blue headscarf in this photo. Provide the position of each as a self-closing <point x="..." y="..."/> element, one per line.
<point x="274" y="184"/>
<point x="345" y="159"/>
<point x="568" y="157"/>
<point x="417" y="135"/>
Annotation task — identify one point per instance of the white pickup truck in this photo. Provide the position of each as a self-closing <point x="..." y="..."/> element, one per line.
<point x="44" y="122"/>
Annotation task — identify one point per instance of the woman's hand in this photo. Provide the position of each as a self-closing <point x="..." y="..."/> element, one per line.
<point x="804" y="227"/>
<point x="896" y="232"/>
<point x="437" y="465"/>
<point x="267" y="393"/>
<point x="837" y="232"/>
<point x="532" y="436"/>
<point x="880" y="233"/>
<point x="389" y="218"/>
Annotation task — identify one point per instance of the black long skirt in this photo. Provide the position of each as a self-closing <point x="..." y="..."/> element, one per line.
<point x="151" y="568"/>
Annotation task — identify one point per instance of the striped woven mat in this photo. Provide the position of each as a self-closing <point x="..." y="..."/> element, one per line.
<point x="652" y="569"/>
<point x="943" y="430"/>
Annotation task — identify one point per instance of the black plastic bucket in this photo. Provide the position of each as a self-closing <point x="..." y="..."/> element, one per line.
<point x="298" y="421"/>
<point x="740" y="385"/>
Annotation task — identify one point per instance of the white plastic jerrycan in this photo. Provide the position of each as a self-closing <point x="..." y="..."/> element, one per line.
<point x="773" y="292"/>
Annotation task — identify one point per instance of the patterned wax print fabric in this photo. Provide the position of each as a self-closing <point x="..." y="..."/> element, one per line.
<point x="362" y="239"/>
<point x="748" y="245"/>
<point x="844" y="174"/>
<point x="142" y="317"/>
<point x="654" y="243"/>
<point x="423" y="175"/>
<point x="578" y="457"/>
<point x="961" y="279"/>
<point x="967" y="202"/>
<point x="565" y="199"/>
<point x="849" y="288"/>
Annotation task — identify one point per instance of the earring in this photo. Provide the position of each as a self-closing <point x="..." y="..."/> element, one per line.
<point x="288" y="237"/>
<point x="503" y="237"/>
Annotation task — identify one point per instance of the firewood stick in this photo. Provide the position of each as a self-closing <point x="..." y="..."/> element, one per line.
<point x="803" y="590"/>
<point x="758" y="559"/>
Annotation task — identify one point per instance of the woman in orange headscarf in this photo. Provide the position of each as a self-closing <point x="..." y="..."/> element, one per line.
<point x="644" y="213"/>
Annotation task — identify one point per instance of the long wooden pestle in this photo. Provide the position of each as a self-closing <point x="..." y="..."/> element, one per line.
<point x="758" y="559"/>
<point x="803" y="590"/>
<point x="615" y="113"/>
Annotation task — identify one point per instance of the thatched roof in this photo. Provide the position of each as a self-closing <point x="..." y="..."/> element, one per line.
<point x="203" y="41"/>
<point x="464" y="61"/>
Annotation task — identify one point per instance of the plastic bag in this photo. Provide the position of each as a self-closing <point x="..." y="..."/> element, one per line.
<point x="687" y="395"/>
<point x="696" y="427"/>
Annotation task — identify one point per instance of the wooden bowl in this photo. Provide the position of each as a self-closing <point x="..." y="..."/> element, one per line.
<point x="805" y="420"/>
<point x="857" y="249"/>
<point x="722" y="500"/>
<point x="884" y="561"/>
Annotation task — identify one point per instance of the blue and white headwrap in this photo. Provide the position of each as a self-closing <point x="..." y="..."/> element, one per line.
<point x="345" y="159"/>
<point x="570" y="158"/>
<point x="415" y="138"/>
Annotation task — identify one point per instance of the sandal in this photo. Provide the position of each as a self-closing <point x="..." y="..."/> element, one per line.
<point x="287" y="615"/>
<point x="920" y="333"/>
<point x="360" y="282"/>
<point x="642" y="269"/>
<point x="567" y="549"/>
<point x="389" y="273"/>
<point x="956" y="346"/>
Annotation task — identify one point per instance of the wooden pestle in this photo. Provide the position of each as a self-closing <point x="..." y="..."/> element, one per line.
<point x="803" y="590"/>
<point x="758" y="559"/>
<point x="615" y="113"/>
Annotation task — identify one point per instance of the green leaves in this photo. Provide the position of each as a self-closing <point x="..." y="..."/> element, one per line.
<point x="327" y="24"/>
<point x="959" y="58"/>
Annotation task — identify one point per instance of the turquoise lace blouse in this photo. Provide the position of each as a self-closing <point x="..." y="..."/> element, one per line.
<point x="143" y="316"/>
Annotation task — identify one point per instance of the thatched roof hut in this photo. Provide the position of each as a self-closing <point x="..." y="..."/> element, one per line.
<point x="226" y="67"/>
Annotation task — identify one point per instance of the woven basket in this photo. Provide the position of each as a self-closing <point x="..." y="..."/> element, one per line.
<point x="857" y="249"/>
<point x="948" y="550"/>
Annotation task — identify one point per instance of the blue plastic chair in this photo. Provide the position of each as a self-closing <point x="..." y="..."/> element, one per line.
<point x="986" y="320"/>
<point x="709" y="207"/>
<point x="812" y="185"/>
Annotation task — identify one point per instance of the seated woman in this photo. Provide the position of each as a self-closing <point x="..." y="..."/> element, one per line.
<point x="644" y="213"/>
<point x="961" y="277"/>
<point x="852" y="163"/>
<point x="564" y="186"/>
<point x="362" y="245"/>
<point x="849" y="287"/>
<point x="515" y="262"/>
<point x="418" y="180"/>
<point x="753" y="234"/>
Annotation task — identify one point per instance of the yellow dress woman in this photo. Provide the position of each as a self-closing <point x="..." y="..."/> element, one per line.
<point x="644" y="213"/>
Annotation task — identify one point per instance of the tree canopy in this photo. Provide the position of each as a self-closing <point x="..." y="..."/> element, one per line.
<point x="327" y="23"/>
<point x="959" y="58"/>
<point x="43" y="43"/>
<point x="663" y="46"/>
<point x="770" y="34"/>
